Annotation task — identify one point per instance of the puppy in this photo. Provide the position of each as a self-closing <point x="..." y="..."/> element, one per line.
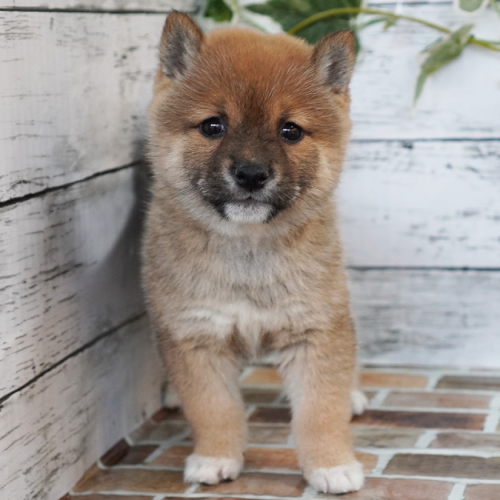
<point x="241" y="253"/>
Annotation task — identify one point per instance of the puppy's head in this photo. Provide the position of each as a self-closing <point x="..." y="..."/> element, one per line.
<point x="247" y="127"/>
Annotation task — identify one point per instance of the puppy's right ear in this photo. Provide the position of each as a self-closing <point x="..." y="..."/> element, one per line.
<point x="180" y="43"/>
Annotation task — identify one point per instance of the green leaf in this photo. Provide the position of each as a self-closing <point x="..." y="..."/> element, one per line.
<point x="390" y="21"/>
<point x="471" y="5"/>
<point x="218" y="11"/>
<point x="291" y="12"/>
<point x="440" y="53"/>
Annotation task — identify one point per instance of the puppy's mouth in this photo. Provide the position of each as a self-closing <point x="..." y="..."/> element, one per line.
<point x="252" y="208"/>
<point x="248" y="210"/>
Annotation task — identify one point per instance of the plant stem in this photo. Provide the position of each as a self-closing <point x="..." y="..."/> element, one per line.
<point x="239" y="14"/>
<point x="495" y="6"/>
<point x="327" y="14"/>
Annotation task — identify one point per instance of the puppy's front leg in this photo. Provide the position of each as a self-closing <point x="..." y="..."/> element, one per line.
<point x="318" y="374"/>
<point x="206" y="381"/>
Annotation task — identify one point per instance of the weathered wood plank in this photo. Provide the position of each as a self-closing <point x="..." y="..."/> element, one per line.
<point x="106" y="5"/>
<point x="73" y="95"/>
<point x="424" y="203"/>
<point x="427" y="317"/>
<point x="57" y="427"/>
<point x="75" y="87"/>
<point x="462" y="100"/>
<point x="68" y="272"/>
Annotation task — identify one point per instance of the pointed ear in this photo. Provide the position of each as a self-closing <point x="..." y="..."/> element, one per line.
<point x="180" y="43"/>
<point x="334" y="57"/>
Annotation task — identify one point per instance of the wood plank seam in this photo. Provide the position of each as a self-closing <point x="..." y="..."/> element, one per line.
<point x="423" y="268"/>
<point x="43" y="192"/>
<point x="88" y="11"/>
<point x="76" y="352"/>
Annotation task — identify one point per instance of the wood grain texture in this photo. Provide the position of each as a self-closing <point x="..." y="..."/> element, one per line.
<point x="57" y="427"/>
<point x="461" y="100"/>
<point x="107" y="5"/>
<point x="68" y="272"/>
<point x="418" y="317"/>
<point x="430" y="204"/>
<point x="73" y="95"/>
<point x="75" y="88"/>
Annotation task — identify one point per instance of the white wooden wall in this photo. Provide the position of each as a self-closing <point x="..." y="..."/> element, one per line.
<point x="78" y="369"/>
<point x="420" y="197"/>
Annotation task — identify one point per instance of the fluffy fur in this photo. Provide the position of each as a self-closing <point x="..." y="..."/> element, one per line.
<point x="231" y="273"/>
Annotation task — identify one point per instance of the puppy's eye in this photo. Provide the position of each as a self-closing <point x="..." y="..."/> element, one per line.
<point x="291" y="132"/>
<point x="213" y="127"/>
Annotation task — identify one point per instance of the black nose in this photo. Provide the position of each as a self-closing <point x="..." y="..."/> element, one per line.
<point x="251" y="176"/>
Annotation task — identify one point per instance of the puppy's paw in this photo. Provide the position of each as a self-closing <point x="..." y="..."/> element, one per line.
<point x="210" y="470"/>
<point x="171" y="399"/>
<point x="359" y="402"/>
<point x="340" y="479"/>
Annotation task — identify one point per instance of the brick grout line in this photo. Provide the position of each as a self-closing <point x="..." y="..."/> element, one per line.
<point x="449" y="452"/>
<point x="492" y="421"/>
<point x="280" y="398"/>
<point x="249" y="410"/>
<point x="429" y="409"/>
<point x="309" y="492"/>
<point x="172" y="468"/>
<point x="165" y="445"/>
<point x="192" y="489"/>
<point x="158" y="497"/>
<point x="246" y="372"/>
<point x="384" y="457"/>
<point x="176" y="438"/>
<point x="128" y="439"/>
<point x="449" y="479"/>
<point x="379" y="398"/>
<point x="437" y="390"/>
<point x="430" y="370"/>
<point x="495" y="402"/>
<point x="433" y="379"/>
<point x="457" y="492"/>
<point x="426" y="439"/>
<point x="434" y="409"/>
<point x="121" y="493"/>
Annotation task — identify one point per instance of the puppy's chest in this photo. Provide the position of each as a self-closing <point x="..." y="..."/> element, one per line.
<point x="253" y="293"/>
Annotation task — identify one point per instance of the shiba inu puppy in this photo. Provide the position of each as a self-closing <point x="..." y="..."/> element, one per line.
<point x="241" y="253"/>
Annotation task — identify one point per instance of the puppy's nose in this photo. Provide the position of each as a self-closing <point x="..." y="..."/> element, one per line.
<point x="251" y="176"/>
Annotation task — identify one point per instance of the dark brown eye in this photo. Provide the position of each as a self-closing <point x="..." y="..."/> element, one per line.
<point x="291" y="132"/>
<point x="213" y="127"/>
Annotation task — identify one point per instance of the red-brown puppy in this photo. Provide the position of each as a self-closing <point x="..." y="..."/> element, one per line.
<point x="241" y="252"/>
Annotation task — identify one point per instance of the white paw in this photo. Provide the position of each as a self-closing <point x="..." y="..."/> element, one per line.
<point x="359" y="402"/>
<point x="171" y="399"/>
<point x="340" y="479"/>
<point x="210" y="470"/>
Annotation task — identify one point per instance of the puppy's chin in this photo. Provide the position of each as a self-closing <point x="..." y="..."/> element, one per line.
<point x="250" y="213"/>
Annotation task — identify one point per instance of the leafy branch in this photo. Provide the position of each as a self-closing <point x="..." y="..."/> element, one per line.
<point x="389" y="17"/>
<point x="312" y="19"/>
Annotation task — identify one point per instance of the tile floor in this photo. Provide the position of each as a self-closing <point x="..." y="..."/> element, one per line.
<point x="428" y="434"/>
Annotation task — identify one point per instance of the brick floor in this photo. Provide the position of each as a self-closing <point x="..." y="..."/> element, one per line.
<point x="424" y="437"/>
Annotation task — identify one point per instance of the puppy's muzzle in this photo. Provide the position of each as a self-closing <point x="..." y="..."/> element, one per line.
<point x="251" y="176"/>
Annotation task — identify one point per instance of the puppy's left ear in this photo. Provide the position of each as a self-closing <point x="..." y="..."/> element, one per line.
<point x="334" y="57"/>
<point x="180" y="44"/>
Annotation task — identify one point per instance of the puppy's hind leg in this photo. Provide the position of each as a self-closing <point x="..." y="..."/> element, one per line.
<point x="359" y="402"/>
<point x="171" y="399"/>
<point x="206" y="381"/>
